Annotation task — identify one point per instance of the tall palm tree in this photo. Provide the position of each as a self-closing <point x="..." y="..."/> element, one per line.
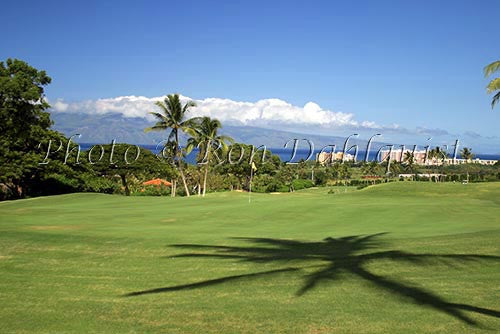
<point x="409" y="159"/>
<point x="432" y="153"/>
<point x="173" y="116"/>
<point x="206" y="137"/>
<point x="494" y="85"/>
<point x="466" y="154"/>
<point x="440" y="155"/>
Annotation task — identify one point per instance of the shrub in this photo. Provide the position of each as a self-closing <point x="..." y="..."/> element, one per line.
<point x="99" y="184"/>
<point x="299" y="184"/>
<point x="153" y="191"/>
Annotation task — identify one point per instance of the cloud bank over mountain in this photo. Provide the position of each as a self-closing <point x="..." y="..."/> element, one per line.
<point x="264" y="112"/>
<point x="274" y="114"/>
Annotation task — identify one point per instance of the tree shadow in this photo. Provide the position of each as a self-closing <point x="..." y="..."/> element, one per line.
<point x="346" y="255"/>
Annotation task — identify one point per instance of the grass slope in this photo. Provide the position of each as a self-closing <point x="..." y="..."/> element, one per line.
<point x="401" y="257"/>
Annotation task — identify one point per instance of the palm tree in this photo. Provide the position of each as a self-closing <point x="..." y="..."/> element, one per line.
<point x="206" y="137"/>
<point x="173" y="116"/>
<point x="438" y="154"/>
<point x="466" y="154"/>
<point x="409" y="159"/>
<point x="494" y="85"/>
<point x="441" y="154"/>
<point x="395" y="168"/>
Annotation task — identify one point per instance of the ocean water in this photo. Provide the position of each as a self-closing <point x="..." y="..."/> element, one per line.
<point x="286" y="154"/>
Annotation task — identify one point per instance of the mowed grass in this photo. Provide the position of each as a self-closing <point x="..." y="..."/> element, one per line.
<point x="396" y="258"/>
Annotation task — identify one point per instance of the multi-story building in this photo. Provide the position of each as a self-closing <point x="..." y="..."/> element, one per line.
<point x="420" y="158"/>
<point x="330" y="157"/>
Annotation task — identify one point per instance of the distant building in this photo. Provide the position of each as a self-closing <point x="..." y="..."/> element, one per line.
<point x="472" y="161"/>
<point x="419" y="158"/>
<point x="427" y="175"/>
<point x="399" y="155"/>
<point x="330" y="157"/>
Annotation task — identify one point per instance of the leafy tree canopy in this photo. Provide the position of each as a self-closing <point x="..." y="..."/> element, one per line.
<point x="24" y="123"/>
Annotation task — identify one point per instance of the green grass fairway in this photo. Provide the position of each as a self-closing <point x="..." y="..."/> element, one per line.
<point x="396" y="258"/>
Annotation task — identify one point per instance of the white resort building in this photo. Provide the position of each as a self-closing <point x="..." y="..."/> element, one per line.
<point x="420" y="158"/>
<point x="330" y="157"/>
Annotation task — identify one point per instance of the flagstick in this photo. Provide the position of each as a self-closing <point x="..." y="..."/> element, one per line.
<point x="250" y="190"/>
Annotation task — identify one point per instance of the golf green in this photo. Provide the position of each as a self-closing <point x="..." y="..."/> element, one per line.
<point x="403" y="257"/>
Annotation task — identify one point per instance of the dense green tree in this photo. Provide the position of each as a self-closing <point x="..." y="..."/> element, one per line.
<point x="64" y="170"/>
<point x="371" y="169"/>
<point x="286" y="174"/>
<point x="24" y="125"/>
<point x="340" y="171"/>
<point x="395" y="168"/>
<point x="320" y="175"/>
<point x="124" y="161"/>
<point x="239" y="160"/>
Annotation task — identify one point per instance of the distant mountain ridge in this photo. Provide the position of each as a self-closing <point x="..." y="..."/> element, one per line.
<point x="103" y="128"/>
<point x="106" y="127"/>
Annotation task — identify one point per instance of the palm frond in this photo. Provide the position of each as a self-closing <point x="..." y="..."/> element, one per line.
<point x="192" y="122"/>
<point x="495" y="99"/>
<point x="174" y="104"/>
<point x="491" y="68"/>
<point x="162" y="105"/>
<point x="189" y="104"/>
<point x="227" y="138"/>
<point x="192" y="127"/>
<point x="494" y="85"/>
<point x="193" y="132"/>
<point x="158" y="116"/>
<point x="223" y="145"/>
<point x="167" y="112"/>
<point x="157" y="127"/>
<point x="189" y="147"/>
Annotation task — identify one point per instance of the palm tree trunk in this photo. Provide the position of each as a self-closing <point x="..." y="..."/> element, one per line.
<point x="172" y="189"/>
<point x="179" y="162"/>
<point x="125" y="185"/>
<point x="198" y="186"/>
<point x="205" y="180"/>
<point x="183" y="179"/>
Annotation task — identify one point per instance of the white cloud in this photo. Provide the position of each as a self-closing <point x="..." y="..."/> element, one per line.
<point x="59" y="105"/>
<point x="262" y="112"/>
<point x="266" y="113"/>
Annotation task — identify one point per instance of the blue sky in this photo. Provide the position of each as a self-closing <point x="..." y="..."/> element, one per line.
<point x="413" y="63"/>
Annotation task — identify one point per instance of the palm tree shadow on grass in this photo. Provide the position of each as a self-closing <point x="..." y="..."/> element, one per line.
<point x="341" y="255"/>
